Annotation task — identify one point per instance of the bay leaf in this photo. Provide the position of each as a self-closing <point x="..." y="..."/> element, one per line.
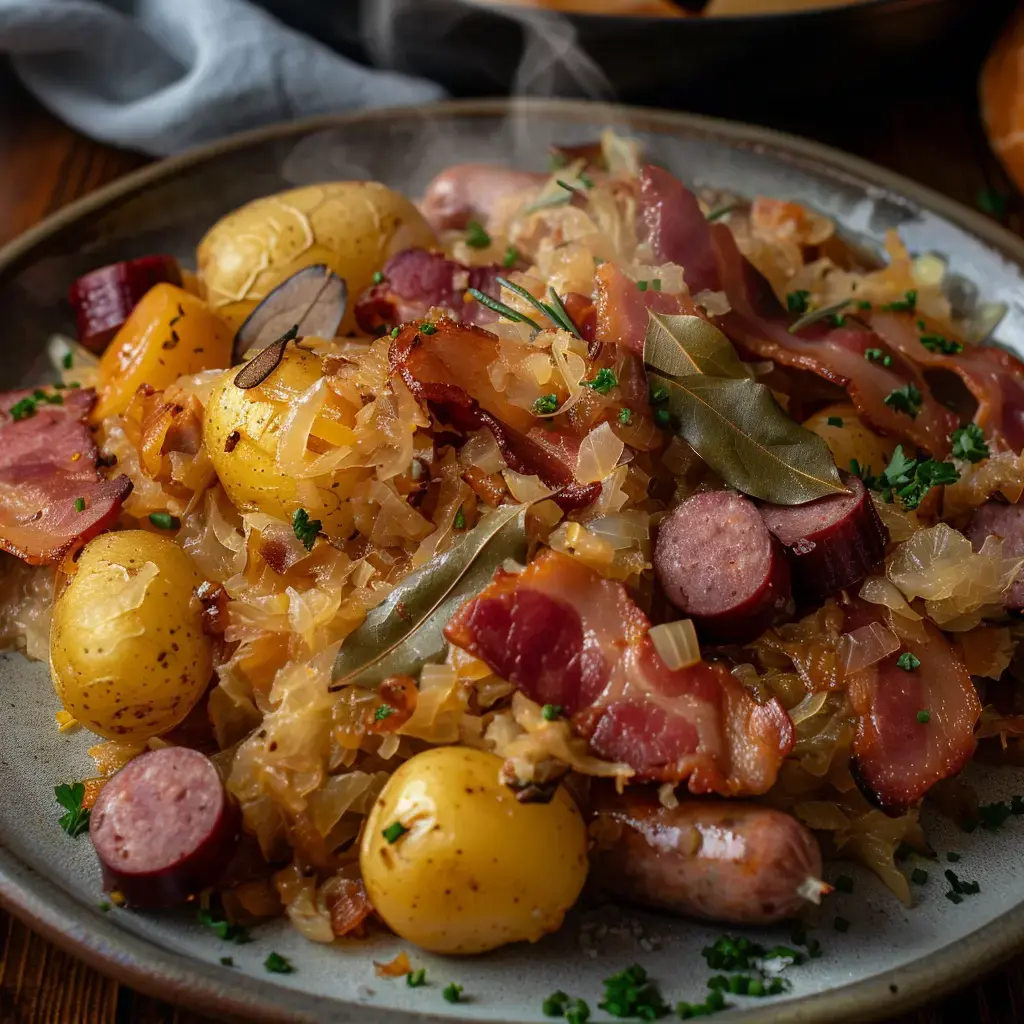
<point x="312" y="300"/>
<point x="738" y="429"/>
<point x="405" y="631"/>
<point x="678" y="346"/>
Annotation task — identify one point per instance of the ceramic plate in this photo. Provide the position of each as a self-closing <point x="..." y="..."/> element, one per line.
<point x="890" y="957"/>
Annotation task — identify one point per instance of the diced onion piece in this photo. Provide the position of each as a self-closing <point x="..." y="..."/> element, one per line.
<point x="667" y="796"/>
<point x="621" y="154"/>
<point x="676" y="643"/>
<point x="865" y="647"/>
<point x="525" y="488"/>
<point x="713" y="303"/>
<point x="879" y="590"/>
<point x="599" y="454"/>
<point x="929" y="270"/>
<point x="576" y="540"/>
<point x="808" y="707"/>
<point x="482" y="451"/>
<point x="292" y="457"/>
<point x="984" y="320"/>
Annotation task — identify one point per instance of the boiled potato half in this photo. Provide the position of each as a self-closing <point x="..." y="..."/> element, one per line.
<point x="352" y="226"/>
<point x="242" y="430"/>
<point x="128" y="653"/>
<point x="848" y="438"/>
<point x="453" y="862"/>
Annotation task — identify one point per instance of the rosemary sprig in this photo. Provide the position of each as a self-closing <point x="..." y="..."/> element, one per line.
<point x="502" y="310"/>
<point x="558" y="307"/>
<point x="556" y="314"/>
<point x="814" y="315"/>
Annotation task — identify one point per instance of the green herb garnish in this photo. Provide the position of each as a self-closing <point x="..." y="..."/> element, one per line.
<point x="722" y="211"/>
<point x="797" y="302"/>
<point x="476" y="235"/>
<point x="67" y="360"/>
<point x="511" y="257"/>
<point x="545" y="405"/>
<point x="919" y="876"/>
<point x="23" y="409"/>
<point x="550" y="712"/>
<point x="924" y="716"/>
<point x="417" y="978"/>
<point x="304" y="528"/>
<point x="75" y="820"/>
<point x="428" y="328"/>
<point x="907" y="479"/>
<point x="905" y="305"/>
<point x="223" y="929"/>
<point x="394" y="832"/>
<point x="452" y="993"/>
<point x="383" y="711"/>
<point x="969" y="443"/>
<point x="79" y="504"/>
<point x="630" y="994"/>
<point x="277" y="964"/>
<point x="164" y="520"/>
<point x="940" y="344"/>
<point x="906" y="399"/>
<point x="835" y="421"/>
<point x="908" y="661"/>
<point x="602" y="382"/>
<point x="625" y="416"/>
<point x="991" y="202"/>
<point x="378" y="277"/>
<point x="460" y="519"/>
<point x="502" y="310"/>
<point x="876" y="355"/>
<point x="227" y="961"/>
<point x="554" y="1005"/>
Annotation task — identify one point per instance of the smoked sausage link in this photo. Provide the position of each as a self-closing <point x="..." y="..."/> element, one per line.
<point x="718" y="563"/>
<point x="833" y="542"/>
<point x="1006" y="522"/>
<point x="719" y="860"/>
<point x="164" y="828"/>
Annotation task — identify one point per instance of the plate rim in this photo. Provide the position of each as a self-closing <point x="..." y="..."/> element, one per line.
<point x="143" y="963"/>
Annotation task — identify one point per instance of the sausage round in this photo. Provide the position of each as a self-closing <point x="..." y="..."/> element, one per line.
<point x="833" y="542"/>
<point x="164" y="827"/>
<point x="466" y="192"/>
<point x="719" y="860"/>
<point x="718" y="563"/>
<point x="1006" y="522"/>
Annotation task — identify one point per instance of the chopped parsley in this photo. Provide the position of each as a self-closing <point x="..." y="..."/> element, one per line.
<point x="75" y="820"/>
<point x="476" y="235"/>
<point x="796" y="302"/>
<point x="907" y="479"/>
<point x="876" y="355"/>
<point x="417" y="978"/>
<point x="732" y="953"/>
<point x="992" y="817"/>
<point x="603" y="381"/>
<point x="940" y="344"/>
<point x="906" y="399"/>
<point x="630" y="994"/>
<point x="223" y="929"/>
<point x="427" y="328"/>
<point x="304" y="528"/>
<point x="835" y="421"/>
<point x="383" y="711"/>
<point x="559" y="1004"/>
<point x="969" y="443"/>
<point x="908" y="661"/>
<point x="841" y="924"/>
<point x="908" y="304"/>
<point x="164" y="520"/>
<point x="863" y="304"/>
<point x="277" y="964"/>
<point x="378" y="277"/>
<point x="394" y="832"/>
<point x="844" y="883"/>
<point x="104" y="906"/>
<point x="625" y="416"/>
<point x="79" y="504"/>
<point x="919" y="876"/>
<point x="924" y="716"/>
<point x="837" y="320"/>
<point x="960" y="886"/>
<point x="227" y="961"/>
<point x="67" y="360"/>
<point x="452" y="993"/>
<point x="545" y="405"/>
<point x="395" y="331"/>
<point x="511" y="257"/>
<point x="550" y="712"/>
<point x="460" y="519"/>
<point x="654" y="285"/>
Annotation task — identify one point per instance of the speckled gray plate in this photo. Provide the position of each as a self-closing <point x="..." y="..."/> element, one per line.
<point x="891" y="956"/>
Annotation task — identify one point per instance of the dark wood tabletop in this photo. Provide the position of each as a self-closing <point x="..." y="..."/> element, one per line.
<point x="44" y="165"/>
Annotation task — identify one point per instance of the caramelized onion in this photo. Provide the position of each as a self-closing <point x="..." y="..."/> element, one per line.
<point x="676" y="643"/>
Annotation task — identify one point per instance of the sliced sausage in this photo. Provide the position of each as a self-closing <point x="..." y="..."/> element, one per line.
<point x="833" y="542"/>
<point x="164" y="828"/>
<point x="719" y="860"/>
<point x="466" y="192"/>
<point x="103" y="299"/>
<point x="1007" y="523"/>
<point x="718" y="563"/>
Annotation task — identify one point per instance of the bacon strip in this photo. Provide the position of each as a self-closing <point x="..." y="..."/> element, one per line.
<point x="757" y="323"/>
<point x="897" y="758"/>
<point x="48" y="463"/>
<point x="448" y="369"/>
<point x="565" y="635"/>
<point x="416" y="280"/>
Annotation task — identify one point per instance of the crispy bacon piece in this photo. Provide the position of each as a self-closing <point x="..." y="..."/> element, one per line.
<point x="48" y="463"/>
<point x="993" y="376"/>
<point x="417" y="279"/>
<point x="898" y="758"/>
<point x="565" y="635"/>
<point x="448" y="369"/>
<point x="679" y="232"/>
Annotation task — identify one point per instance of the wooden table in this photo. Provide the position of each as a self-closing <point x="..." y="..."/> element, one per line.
<point x="44" y="165"/>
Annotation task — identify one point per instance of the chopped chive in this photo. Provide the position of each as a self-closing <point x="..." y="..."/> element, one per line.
<point x="277" y="964"/>
<point x="625" y="416"/>
<point x="460" y="519"/>
<point x="227" y="961"/>
<point x="545" y="405"/>
<point x="924" y="716"/>
<point x="383" y="711"/>
<point x="550" y="712"/>
<point x="603" y="381"/>
<point x="476" y="235"/>
<point x="642" y="285"/>
<point x="919" y="876"/>
<point x="908" y="661"/>
<point x="835" y="421"/>
<point x="378" y="277"/>
<point x="164" y="520"/>
<point x="67" y="360"/>
<point x="452" y="993"/>
<point x="417" y="978"/>
<point x="662" y="417"/>
<point x="796" y="302"/>
<point x="428" y="328"/>
<point x="79" y="504"/>
<point x="395" y="331"/>
<point x="511" y="257"/>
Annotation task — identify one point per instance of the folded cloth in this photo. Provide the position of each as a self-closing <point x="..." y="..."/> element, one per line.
<point x="162" y="75"/>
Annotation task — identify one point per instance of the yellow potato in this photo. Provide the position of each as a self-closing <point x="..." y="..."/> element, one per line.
<point x="476" y="868"/>
<point x="852" y="440"/>
<point x="128" y="654"/>
<point x="352" y="226"/>
<point x="241" y="431"/>
<point x="169" y="333"/>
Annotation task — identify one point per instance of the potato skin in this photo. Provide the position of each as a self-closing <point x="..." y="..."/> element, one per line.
<point x="169" y="333"/>
<point x="352" y="226"/>
<point x="128" y="654"/>
<point x="853" y="440"/>
<point x="246" y="464"/>
<point x="477" y="869"/>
